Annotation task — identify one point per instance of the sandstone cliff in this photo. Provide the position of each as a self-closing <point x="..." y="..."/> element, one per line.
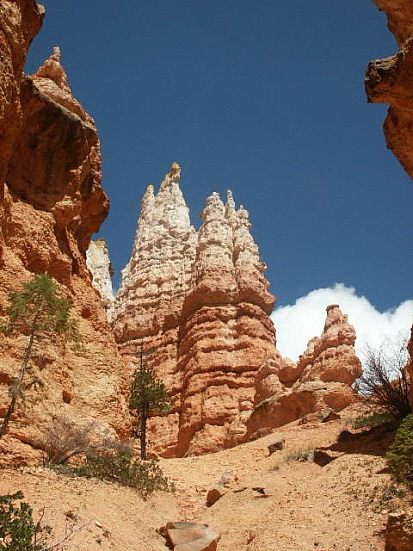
<point x="390" y="80"/>
<point x="51" y="201"/>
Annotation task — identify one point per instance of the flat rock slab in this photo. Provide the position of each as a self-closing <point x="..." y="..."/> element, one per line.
<point x="190" y="536"/>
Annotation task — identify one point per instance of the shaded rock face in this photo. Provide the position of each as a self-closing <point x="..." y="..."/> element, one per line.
<point x="98" y="263"/>
<point x="51" y="201"/>
<point x="20" y="22"/>
<point x="199" y="304"/>
<point x="320" y="379"/>
<point x="390" y="80"/>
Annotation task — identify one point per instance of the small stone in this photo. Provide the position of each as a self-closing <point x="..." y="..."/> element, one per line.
<point x="215" y="493"/>
<point x="277" y="443"/>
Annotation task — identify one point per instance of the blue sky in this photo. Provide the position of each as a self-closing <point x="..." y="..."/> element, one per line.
<point x="265" y="98"/>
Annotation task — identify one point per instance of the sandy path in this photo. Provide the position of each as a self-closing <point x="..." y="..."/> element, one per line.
<point x="331" y="508"/>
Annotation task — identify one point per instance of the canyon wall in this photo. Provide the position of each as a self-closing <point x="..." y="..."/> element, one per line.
<point x="51" y="201"/>
<point x="390" y="80"/>
<point x="197" y="305"/>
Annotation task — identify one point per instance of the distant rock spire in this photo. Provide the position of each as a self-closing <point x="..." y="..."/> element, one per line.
<point x="332" y="357"/>
<point x="97" y="261"/>
<point x="162" y="257"/>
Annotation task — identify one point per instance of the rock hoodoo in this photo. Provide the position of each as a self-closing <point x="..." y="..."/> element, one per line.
<point x="51" y="201"/>
<point x="331" y="357"/>
<point x="197" y="304"/>
<point x="320" y="380"/>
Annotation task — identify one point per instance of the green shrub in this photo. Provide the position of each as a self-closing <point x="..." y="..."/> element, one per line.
<point x="374" y="420"/>
<point x="400" y="454"/>
<point x="145" y="476"/>
<point x="18" y="531"/>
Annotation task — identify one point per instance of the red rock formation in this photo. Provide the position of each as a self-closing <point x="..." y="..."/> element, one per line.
<point x="226" y="332"/>
<point x="51" y="201"/>
<point x="198" y="304"/>
<point x="331" y="357"/>
<point x="390" y="80"/>
<point x="321" y="378"/>
<point x="201" y="304"/>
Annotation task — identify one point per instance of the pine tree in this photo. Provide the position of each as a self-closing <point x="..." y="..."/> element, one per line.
<point x="148" y="398"/>
<point x="36" y="310"/>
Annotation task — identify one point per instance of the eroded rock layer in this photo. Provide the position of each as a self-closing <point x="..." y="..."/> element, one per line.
<point x="321" y="378"/>
<point x="390" y="80"/>
<point x="51" y="201"/>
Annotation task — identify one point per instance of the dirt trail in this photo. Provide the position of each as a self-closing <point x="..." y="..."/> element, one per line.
<point x="339" y="507"/>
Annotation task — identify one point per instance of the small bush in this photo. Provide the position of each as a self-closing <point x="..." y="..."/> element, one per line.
<point x="384" y="380"/>
<point x="18" y="531"/>
<point x="66" y="439"/>
<point x="145" y="476"/>
<point x="400" y="454"/>
<point x="373" y="420"/>
<point x="299" y="454"/>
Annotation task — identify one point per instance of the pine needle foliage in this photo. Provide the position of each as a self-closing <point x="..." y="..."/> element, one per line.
<point x="148" y="398"/>
<point x="18" y="531"/>
<point x="400" y="454"/>
<point x="121" y="467"/>
<point x="38" y="309"/>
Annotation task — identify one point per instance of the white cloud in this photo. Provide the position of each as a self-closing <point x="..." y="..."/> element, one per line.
<point x="296" y="324"/>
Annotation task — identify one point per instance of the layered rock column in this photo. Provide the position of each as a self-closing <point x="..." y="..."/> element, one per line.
<point x="226" y="332"/>
<point x="154" y="286"/>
